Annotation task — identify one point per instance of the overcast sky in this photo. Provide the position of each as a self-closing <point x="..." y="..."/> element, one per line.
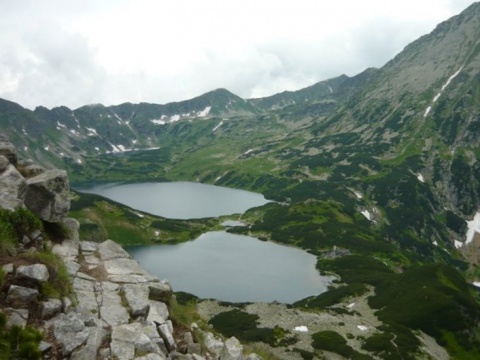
<point x="73" y="53"/>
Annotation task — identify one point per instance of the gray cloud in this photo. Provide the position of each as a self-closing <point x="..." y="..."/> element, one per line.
<point x="49" y="58"/>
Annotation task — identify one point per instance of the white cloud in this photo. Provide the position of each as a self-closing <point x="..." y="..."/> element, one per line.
<point x="79" y="52"/>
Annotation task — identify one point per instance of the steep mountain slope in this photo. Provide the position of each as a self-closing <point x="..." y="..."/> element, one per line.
<point x="423" y="108"/>
<point x="332" y="89"/>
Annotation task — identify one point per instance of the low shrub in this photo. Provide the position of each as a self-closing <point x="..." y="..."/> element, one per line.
<point x="7" y="239"/>
<point x="17" y="342"/>
<point x="183" y="311"/>
<point x="332" y="296"/>
<point x="433" y="298"/>
<point x="183" y="298"/>
<point x="334" y="342"/>
<point x="13" y="226"/>
<point x="243" y="326"/>
<point x="59" y="284"/>
<point x="24" y="222"/>
<point x="381" y="345"/>
<point x="306" y="355"/>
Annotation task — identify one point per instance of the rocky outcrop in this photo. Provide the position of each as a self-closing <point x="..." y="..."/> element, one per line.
<point x="37" y="273"/>
<point x="13" y="185"/>
<point x="232" y="350"/>
<point x="47" y="195"/>
<point x="21" y="297"/>
<point x="8" y="150"/>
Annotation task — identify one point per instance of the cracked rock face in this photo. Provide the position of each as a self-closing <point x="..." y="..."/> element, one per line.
<point x="47" y="195"/>
<point x="7" y="149"/>
<point x="37" y="273"/>
<point x="21" y="297"/>
<point x="13" y="185"/>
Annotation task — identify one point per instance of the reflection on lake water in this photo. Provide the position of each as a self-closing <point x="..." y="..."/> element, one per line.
<point x="234" y="268"/>
<point x="180" y="200"/>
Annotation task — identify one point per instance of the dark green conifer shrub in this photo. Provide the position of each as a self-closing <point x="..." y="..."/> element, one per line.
<point x="17" y="342"/>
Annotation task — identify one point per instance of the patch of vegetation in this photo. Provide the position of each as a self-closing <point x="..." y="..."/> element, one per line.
<point x="334" y="342"/>
<point x="357" y="269"/>
<point x="433" y="298"/>
<point x="184" y="298"/>
<point x="184" y="312"/>
<point x="455" y="223"/>
<point x="333" y="296"/>
<point x="244" y="326"/>
<point x="103" y="219"/>
<point x="7" y="238"/>
<point x="59" y="284"/>
<point x="23" y="221"/>
<point x="381" y="345"/>
<point x="306" y="355"/>
<point x="319" y="226"/>
<point x="17" y="342"/>
<point x="13" y="226"/>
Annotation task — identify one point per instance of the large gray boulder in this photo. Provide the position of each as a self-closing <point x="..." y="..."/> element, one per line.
<point x="129" y="339"/>
<point x="29" y="169"/>
<point x="51" y="308"/>
<point x="4" y="163"/>
<point x="213" y="344"/>
<point x="166" y="333"/>
<point x="7" y="149"/>
<point x="137" y="299"/>
<point x="90" y="350"/>
<point x="158" y="312"/>
<point x="232" y="350"/>
<point x="21" y="297"/>
<point x="37" y="273"/>
<point x="70" y="332"/>
<point x="161" y="291"/>
<point x="17" y="317"/>
<point x="47" y="195"/>
<point x="110" y="250"/>
<point x="13" y="185"/>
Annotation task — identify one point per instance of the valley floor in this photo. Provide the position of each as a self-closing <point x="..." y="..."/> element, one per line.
<point x="357" y="323"/>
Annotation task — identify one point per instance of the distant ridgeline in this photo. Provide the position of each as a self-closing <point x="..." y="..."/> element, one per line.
<point x="384" y="167"/>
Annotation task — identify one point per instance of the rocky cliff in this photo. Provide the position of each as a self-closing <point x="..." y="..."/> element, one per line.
<point x="108" y="307"/>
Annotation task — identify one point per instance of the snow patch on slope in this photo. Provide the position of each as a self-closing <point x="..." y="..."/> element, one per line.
<point x="301" y="328"/>
<point x="473" y="227"/>
<point x="204" y="112"/>
<point x="436" y="97"/>
<point x="427" y="110"/>
<point x="367" y="214"/>
<point x="216" y="127"/>
<point x="92" y="132"/>
<point x="358" y="194"/>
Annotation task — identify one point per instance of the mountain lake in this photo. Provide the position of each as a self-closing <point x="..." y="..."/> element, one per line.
<point x="217" y="265"/>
